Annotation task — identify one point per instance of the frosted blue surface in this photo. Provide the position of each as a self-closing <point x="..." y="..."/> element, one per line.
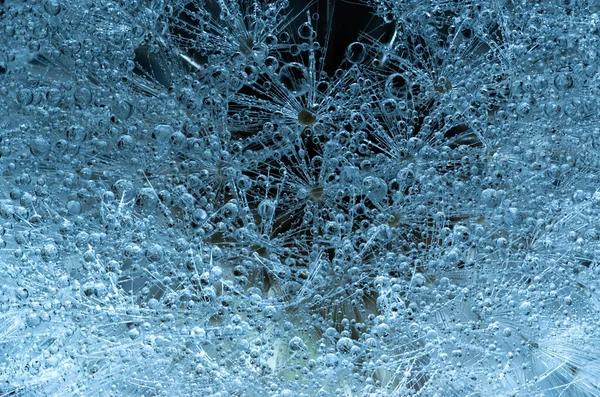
<point x="261" y="198"/>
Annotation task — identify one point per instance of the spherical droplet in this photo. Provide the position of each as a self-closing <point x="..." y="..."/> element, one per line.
<point x="154" y="253"/>
<point x="294" y="78"/>
<point x="52" y="7"/>
<point x="344" y="345"/>
<point x="375" y="187"/>
<point x="229" y="212"/>
<point x="147" y="199"/>
<point x="305" y="31"/>
<point x="53" y="97"/>
<point x="296" y="343"/>
<point x="39" y="147"/>
<point x="396" y="86"/>
<point x="22" y="293"/>
<point x="83" y="96"/>
<point x="389" y="106"/>
<point x="266" y="208"/>
<point x="25" y="97"/>
<point x="122" y="109"/>
<point x="49" y="252"/>
<point x="33" y="320"/>
<point x="563" y="81"/>
<point x="74" y="207"/>
<point x="356" y="52"/>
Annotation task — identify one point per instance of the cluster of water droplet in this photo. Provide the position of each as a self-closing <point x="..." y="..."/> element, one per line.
<point x="209" y="197"/>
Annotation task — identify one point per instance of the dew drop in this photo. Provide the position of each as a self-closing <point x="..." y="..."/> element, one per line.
<point x="294" y="77"/>
<point x="356" y="52"/>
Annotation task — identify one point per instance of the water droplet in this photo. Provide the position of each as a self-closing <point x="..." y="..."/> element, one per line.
<point x="266" y="209"/>
<point x="83" y="96"/>
<point x="122" y="109"/>
<point x="294" y="77"/>
<point x="32" y="320"/>
<point x="49" y="252"/>
<point x="25" y="97"/>
<point x="53" y="97"/>
<point x="389" y="107"/>
<point x="296" y="343"/>
<point x="229" y="212"/>
<point x="147" y="199"/>
<point x="344" y="344"/>
<point x="39" y="147"/>
<point x="22" y="293"/>
<point x="52" y="7"/>
<point x="563" y="81"/>
<point x="305" y="31"/>
<point x="396" y="86"/>
<point x="74" y="207"/>
<point x="356" y="52"/>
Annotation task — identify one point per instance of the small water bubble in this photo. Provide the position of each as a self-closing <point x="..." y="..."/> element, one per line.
<point x="356" y="52"/>
<point x="186" y="201"/>
<point x="123" y="190"/>
<point x="199" y="216"/>
<point x="22" y="293"/>
<point x="294" y="77"/>
<point x="344" y="345"/>
<point x="134" y="333"/>
<point x="284" y="37"/>
<point x="389" y="17"/>
<point x="83" y="96"/>
<point x="251" y="74"/>
<point x="396" y="86"/>
<point x="540" y="83"/>
<point x="153" y="304"/>
<point x="126" y="142"/>
<point x="162" y="132"/>
<point x="375" y="188"/>
<point x="53" y="97"/>
<point x="25" y="96"/>
<point x="49" y="252"/>
<point x="32" y="319"/>
<point x="501" y="243"/>
<point x="266" y="209"/>
<point x="523" y="109"/>
<point x="52" y="7"/>
<point x="134" y="252"/>
<point x="296" y="344"/>
<point x="271" y="64"/>
<point x="389" y="107"/>
<point x="418" y="280"/>
<point x="552" y="109"/>
<point x="39" y="147"/>
<point x="244" y="183"/>
<point x="75" y="133"/>
<point x="219" y="76"/>
<point x="305" y="31"/>
<point x="122" y="109"/>
<point x="147" y="199"/>
<point x="177" y="140"/>
<point x="229" y="212"/>
<point x="154" y="253"/>
<point x="563" y="81"/>
<point x="490" y="198"/>
<point x="381" y="331"/>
